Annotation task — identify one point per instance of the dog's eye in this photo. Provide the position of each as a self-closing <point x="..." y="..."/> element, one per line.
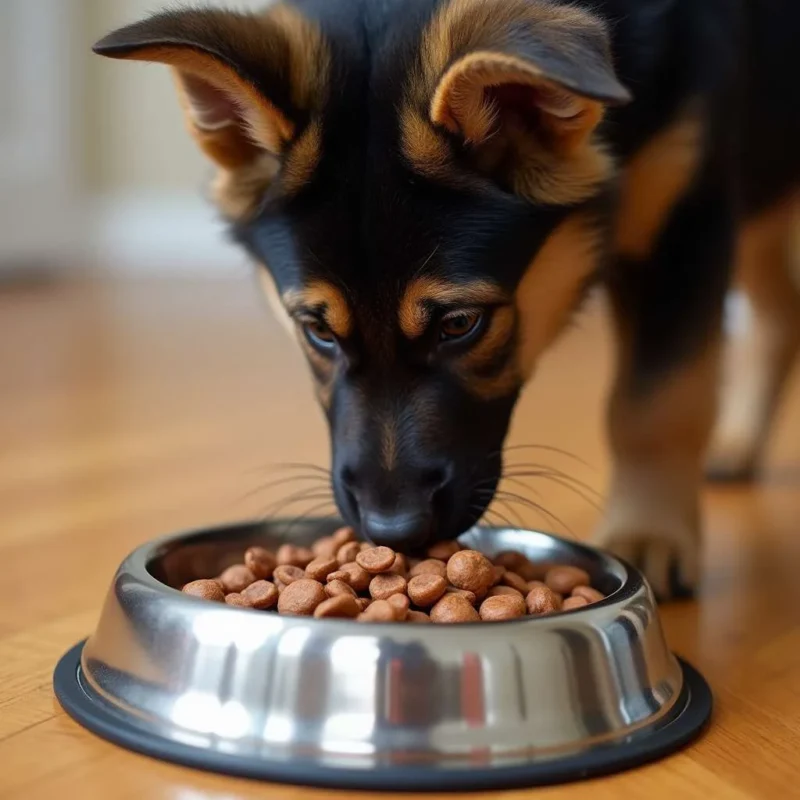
<point x="458" y="325"/>
<point x="319" y="335"/>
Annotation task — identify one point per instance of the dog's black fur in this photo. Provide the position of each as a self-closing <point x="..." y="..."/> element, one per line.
<point x="418" y="420"/>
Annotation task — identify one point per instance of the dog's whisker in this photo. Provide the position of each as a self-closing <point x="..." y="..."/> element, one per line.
<point x="313" y="510"/>
<point x="551" y="449"/>
<point x="566" y="481"/>
<point x="282" y="481"/>
<point x="512" y="497"/>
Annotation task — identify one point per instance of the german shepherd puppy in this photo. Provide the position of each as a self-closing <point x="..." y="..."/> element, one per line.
<point x="432" y="186"/>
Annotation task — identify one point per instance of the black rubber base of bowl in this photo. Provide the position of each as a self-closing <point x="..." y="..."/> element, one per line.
<point x="696" y="701"/>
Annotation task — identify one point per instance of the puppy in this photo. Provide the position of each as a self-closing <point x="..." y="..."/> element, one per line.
<point x="432" y="186"/>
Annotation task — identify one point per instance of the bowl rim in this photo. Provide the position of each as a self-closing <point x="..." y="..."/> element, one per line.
<point x="139" y="560"/>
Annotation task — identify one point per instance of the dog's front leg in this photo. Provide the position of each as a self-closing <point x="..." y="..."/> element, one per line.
<point x="668" y="310"/>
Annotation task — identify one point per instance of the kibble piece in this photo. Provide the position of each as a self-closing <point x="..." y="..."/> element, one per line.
<point x="541" y="600"/>
<point x="363" y="603"/>
<point x="320" y="568"/>
<point x="531" y="571"/>
<point x="573" y="603"/>
<point x="207" y="590"/>
<point x="417" y="616"/>
<point x="365" y="546"/>
<point x="400" y="604"/>
<point x="288" y="573"/>
<point x="347" y="552"/>
<point x="502" y="607"/>
<point x="378" y="611"/>
<point x="400" y="566"/>
<point x="353" y="574"/>
<point x="261" y="594"/>
<point x="498" y="591"/>
<point x="325" y="547"/>
<point x="236" y="578"/>
<point x="467" y="595"/>
<point x="590" y="594"/>
<point x="294" y="556"/>
<point x="336" y="587"/>
<point x="444" y="550"/>
<point x="515" y="582"/>
<point x="471" y="570"/>
<point x="260" y="561"/>
<point x="301" y="597"/>
<point x="454" y="608"/>
<point x="430" y="566"/>
<point x="279" y="585"/>
<point x="425" y="590"/>
<point x="376" y="559"/>
<point x="236" y="599"/>
<point x="382" y="587"/>
<point x="498" y="574"/>
<point x="342" y="605"/>
<point x="344" y="535"/>
<point x="564" y="579"/>
<point x="510" y="559"/>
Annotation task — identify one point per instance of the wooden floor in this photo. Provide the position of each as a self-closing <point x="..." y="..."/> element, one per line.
<point x="133" y="410"/>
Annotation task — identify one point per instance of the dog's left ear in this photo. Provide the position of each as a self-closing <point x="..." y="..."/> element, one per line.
<point x="248" y="82"/>
<point x="546" y="66"/>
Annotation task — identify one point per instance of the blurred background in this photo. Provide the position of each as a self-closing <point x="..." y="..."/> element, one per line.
<point x="96" y="170"/>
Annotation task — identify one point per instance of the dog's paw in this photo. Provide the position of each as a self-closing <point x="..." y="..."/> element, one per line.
<point x="669" y="559"/>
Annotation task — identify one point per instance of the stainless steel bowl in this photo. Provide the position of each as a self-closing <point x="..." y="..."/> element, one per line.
<point x="335" y="703"/>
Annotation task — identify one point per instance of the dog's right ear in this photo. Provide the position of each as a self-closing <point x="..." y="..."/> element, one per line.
<point x="249" y="84"/>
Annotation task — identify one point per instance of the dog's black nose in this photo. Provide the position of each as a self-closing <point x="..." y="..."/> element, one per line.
<point x="401" y="531"/>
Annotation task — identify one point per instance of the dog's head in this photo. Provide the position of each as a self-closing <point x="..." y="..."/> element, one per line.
<point x="423" y="184"/>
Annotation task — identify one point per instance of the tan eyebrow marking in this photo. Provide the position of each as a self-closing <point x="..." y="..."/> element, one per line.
<point x="413" y="313"/>
<point x="325" y="298"/>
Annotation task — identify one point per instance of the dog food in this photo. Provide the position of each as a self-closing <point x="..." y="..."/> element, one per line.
<point x="338" y="577"/>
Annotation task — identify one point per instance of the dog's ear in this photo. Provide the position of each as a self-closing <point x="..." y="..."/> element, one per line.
<point x="523" y="83"/>
<point x="548" y="65"/>
<point x="248" y="83"/>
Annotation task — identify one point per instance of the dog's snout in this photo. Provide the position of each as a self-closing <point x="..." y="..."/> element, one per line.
<point x="397" y="509"/>
<point x="401" y="531"/>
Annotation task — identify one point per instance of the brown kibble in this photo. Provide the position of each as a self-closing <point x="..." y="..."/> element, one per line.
<point x="400" y="604"/>
<point x="573" y="603"/>
<point x="344" y="535"/>
<point x="400" y="566"/>
<point x="541" y="600"/>
<point x="294" y="556"/>
<point x="417" y="616"/>
<point x="336" y="587"/>
<point x="260" y="561"/>
<point x="362" y="546"/>
<point x="301" y="597"/>
<point x="530" y="571"/>
<point x="424" y="590"/>
<point x="206" y="590"/>
<point x="590" y="594"/>
<point x="236" y="578"/>
<point x="510" y="559"/>
<point x="378" y="611"/>
<point x="444" y="550"/>
<point x="564" y="579"/>
<point x="471" y="570"/>
<point x="498" y="574"/>
<point x="236" y="599"/>
<point x="342" y="605"/>
<point x="376" y="559"/>
<point x="288" y="573"/>
<point x="363" y="603"/>
<point x="499" y="591"/>
<point x="353" y="574"/>
<point x="279" y="585"/>
<point x="347" y="553"/>
<point x="515" y="582"/>
<point x="261" y="594"/>
<point x="502" y="607"/>
<point x="467" y="595"/>
<point x="325" y="547"/>
<point x="382" y="587"/>
<point x="320" y="568"/>
<point x="453" y="608"/>
<point x="430" y="566"/>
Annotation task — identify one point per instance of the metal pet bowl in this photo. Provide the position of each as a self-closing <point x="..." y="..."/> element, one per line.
<point x="379" y="706"/>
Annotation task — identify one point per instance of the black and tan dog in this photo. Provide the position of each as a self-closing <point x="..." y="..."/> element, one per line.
<point x="433" y="185"/>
